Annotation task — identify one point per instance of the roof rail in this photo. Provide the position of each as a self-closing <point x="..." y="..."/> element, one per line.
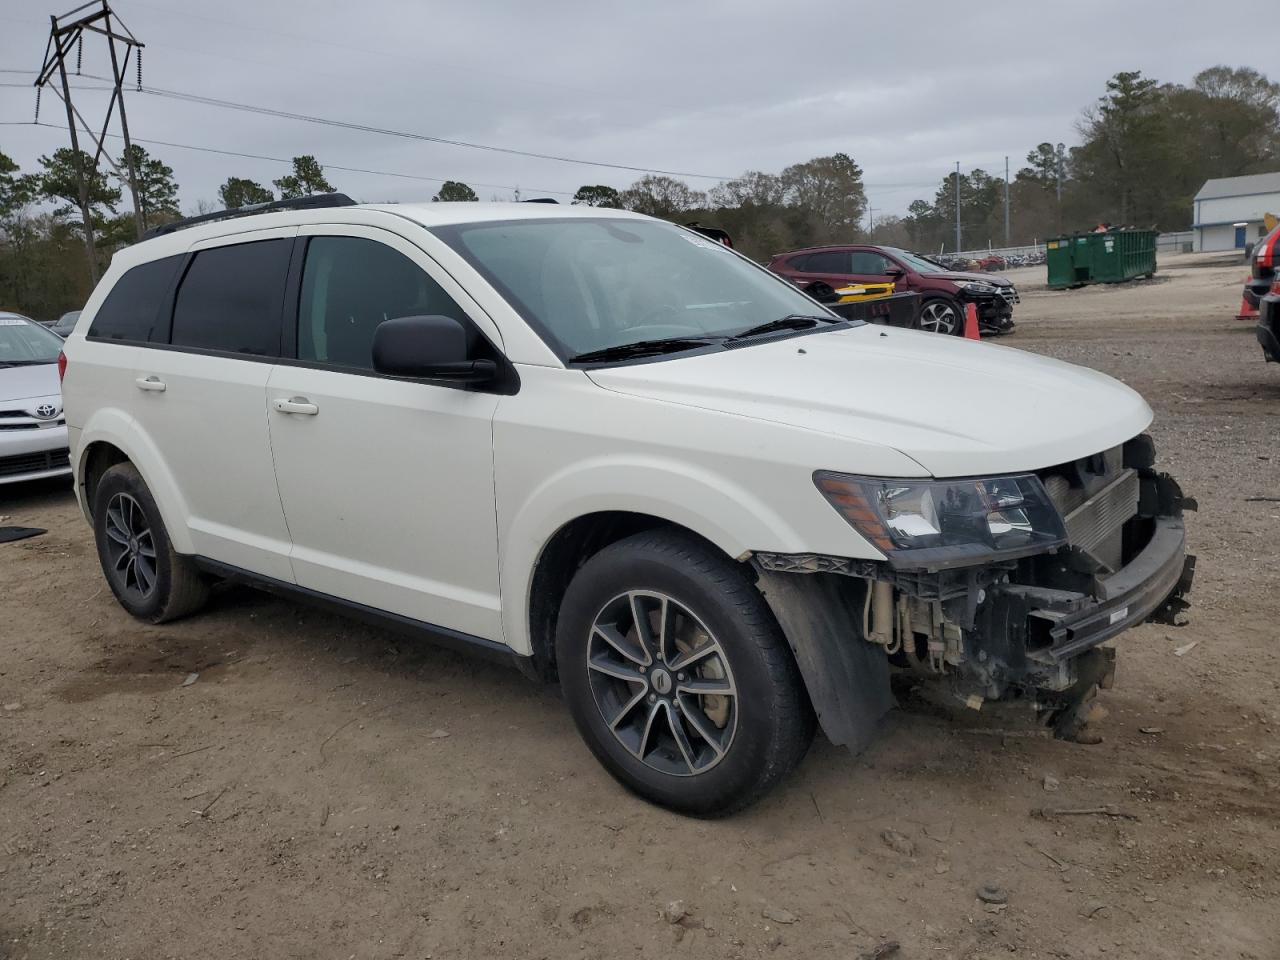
<point x="312" y="202"/>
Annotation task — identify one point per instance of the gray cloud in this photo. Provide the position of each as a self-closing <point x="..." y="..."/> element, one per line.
<point x="708" y="86"/>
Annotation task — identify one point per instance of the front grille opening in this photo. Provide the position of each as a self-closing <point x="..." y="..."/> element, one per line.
<point x="34" y="462"/>
<point x="1039" y="633"/>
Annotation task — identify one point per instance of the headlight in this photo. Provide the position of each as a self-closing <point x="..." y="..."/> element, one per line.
<point x="947" y="523"/>
<point x="976" y="286"/>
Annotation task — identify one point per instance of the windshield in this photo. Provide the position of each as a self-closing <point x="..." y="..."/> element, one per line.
<point x="22" y="341"/>
<point x="918" y="262"/>
<point x="591" y="284"/>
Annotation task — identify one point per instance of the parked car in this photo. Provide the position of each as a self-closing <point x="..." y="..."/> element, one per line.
<point x="943" y="293"/>
<point x="1268" y="329"/>
<point x="65" y="323"/>
<point x="1262" y="290"/>
<point x="33" y="432"/>
<point x="620" y="454"/>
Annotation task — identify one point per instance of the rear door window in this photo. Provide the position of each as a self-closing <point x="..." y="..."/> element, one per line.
<point x="231" y="299"/>
<point x="132" y="310"/>
<point x="827" y="261"/>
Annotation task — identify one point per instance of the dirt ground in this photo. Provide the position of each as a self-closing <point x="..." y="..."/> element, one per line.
<point x="324" y="789"/>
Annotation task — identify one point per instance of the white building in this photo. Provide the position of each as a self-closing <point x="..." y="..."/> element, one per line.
<point x="1228" y="212"/>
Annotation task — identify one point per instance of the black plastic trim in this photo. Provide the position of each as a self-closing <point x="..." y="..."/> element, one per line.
<point x="312" y="202"/>
<point x="440" y="636"/>
<point x="1135" y="592"/>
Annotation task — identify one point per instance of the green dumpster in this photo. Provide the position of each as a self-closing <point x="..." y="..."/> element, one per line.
<point x="1110" y="257"/>
<point x="1069" y="261"/>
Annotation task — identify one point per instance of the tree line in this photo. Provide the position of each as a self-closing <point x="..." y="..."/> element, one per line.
<point x="1144" y="150"/>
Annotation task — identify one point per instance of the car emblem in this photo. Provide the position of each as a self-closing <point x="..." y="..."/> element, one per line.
<point x="46" y="411"/>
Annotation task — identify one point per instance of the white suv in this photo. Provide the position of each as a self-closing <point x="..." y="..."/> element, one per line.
<point x="619" y="453"/>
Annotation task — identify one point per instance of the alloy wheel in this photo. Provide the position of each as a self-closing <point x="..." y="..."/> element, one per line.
<point x="130" y="546"/>
<point x="938" y="318"/>
<point x="662" y="683"/>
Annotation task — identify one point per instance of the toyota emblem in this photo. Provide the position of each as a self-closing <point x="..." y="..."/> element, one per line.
<point x="46" y="411"/>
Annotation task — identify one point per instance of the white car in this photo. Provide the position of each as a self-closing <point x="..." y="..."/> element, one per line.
<point x="33" y="432"/>
<point x="619" y="454"/>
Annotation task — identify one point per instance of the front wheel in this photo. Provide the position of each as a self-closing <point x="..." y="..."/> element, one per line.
<point x="940" y="315"/>
<point x="678" y="677"/>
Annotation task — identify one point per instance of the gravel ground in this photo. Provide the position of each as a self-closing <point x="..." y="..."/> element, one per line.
<point x="324" y="789"/>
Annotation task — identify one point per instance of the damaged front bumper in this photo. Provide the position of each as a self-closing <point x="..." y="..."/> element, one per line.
<point x="1028" y="629"/>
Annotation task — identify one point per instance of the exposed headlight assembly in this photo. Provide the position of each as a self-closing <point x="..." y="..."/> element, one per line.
<point x="976" y="286"/>
<point x="936" y="524"/>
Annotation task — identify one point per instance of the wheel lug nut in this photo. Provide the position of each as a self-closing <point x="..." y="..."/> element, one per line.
<point x="681" y="677"/>
<point x="653" y="698"/>
<point x="643" y="669"/>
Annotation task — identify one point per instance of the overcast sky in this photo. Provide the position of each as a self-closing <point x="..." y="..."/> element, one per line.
<point x="710" y="87"/>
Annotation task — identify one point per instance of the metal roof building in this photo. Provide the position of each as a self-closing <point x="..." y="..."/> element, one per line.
<point x="1228" y="213"/>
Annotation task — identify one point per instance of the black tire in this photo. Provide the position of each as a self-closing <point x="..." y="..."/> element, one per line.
<point x="173" y="585"/>
<point x="772" y="719"/>
<point x="822" y="291"/>
<point x="934" y="311"/>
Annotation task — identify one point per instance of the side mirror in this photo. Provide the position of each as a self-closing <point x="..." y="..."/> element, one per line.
<point x="431" y="348"/>
<point x="894" y="273"/>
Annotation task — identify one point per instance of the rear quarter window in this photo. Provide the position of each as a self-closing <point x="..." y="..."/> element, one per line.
<point x="132" y="310"/>
<point x="231" y="298"/>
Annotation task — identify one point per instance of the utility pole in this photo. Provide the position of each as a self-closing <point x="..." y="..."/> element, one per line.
<point x="65" y="32"/>
<point x="1059" y="154"/>
<point x="871" y="221"/>
<point x="1006" y="201"/>
<point x="957" y="206"/>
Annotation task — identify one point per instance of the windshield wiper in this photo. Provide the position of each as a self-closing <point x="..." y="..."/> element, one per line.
<point x="642" y="348"/>
<point x="792" y="321"/>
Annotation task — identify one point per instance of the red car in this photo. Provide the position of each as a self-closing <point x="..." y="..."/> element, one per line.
<point x="943" y="292"/>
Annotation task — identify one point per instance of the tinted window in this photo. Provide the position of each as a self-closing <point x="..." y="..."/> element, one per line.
<point x="866" y="262"/>
<point x="349" y="286"/>
<point x="828" y="261"/>
<point x="231" y="298"/>
<point x="132" y="308"/>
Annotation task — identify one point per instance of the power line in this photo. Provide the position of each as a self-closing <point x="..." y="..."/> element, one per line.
<point x="287" y="161"/>
<point x="409" y="135"/>
<point x="186" y="97"/>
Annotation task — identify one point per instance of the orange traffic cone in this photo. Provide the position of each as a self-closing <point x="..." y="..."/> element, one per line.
<point x="1247" y="312"/>
<point x="971" y="322"/>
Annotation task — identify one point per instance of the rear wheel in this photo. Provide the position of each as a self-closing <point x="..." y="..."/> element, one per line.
<point x="678" y="677"/>
<point x="940" y="315"/>
<point x="148" y="578"/>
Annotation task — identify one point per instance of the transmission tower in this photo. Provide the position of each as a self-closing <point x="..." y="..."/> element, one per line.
<point x="66" y="34"/>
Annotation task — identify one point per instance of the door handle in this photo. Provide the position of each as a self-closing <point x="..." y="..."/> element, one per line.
<point x="299" y="405"/>
<point x="151" y="383"/>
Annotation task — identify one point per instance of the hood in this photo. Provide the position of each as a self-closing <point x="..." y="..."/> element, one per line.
<point x="957" y="407"/>
<point x="992" y="278"/>
<point x="25" y="383"/>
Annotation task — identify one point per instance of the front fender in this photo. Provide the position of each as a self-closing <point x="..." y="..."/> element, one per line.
<point x="116" y="427"/>
<point x="710" y="504"/>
